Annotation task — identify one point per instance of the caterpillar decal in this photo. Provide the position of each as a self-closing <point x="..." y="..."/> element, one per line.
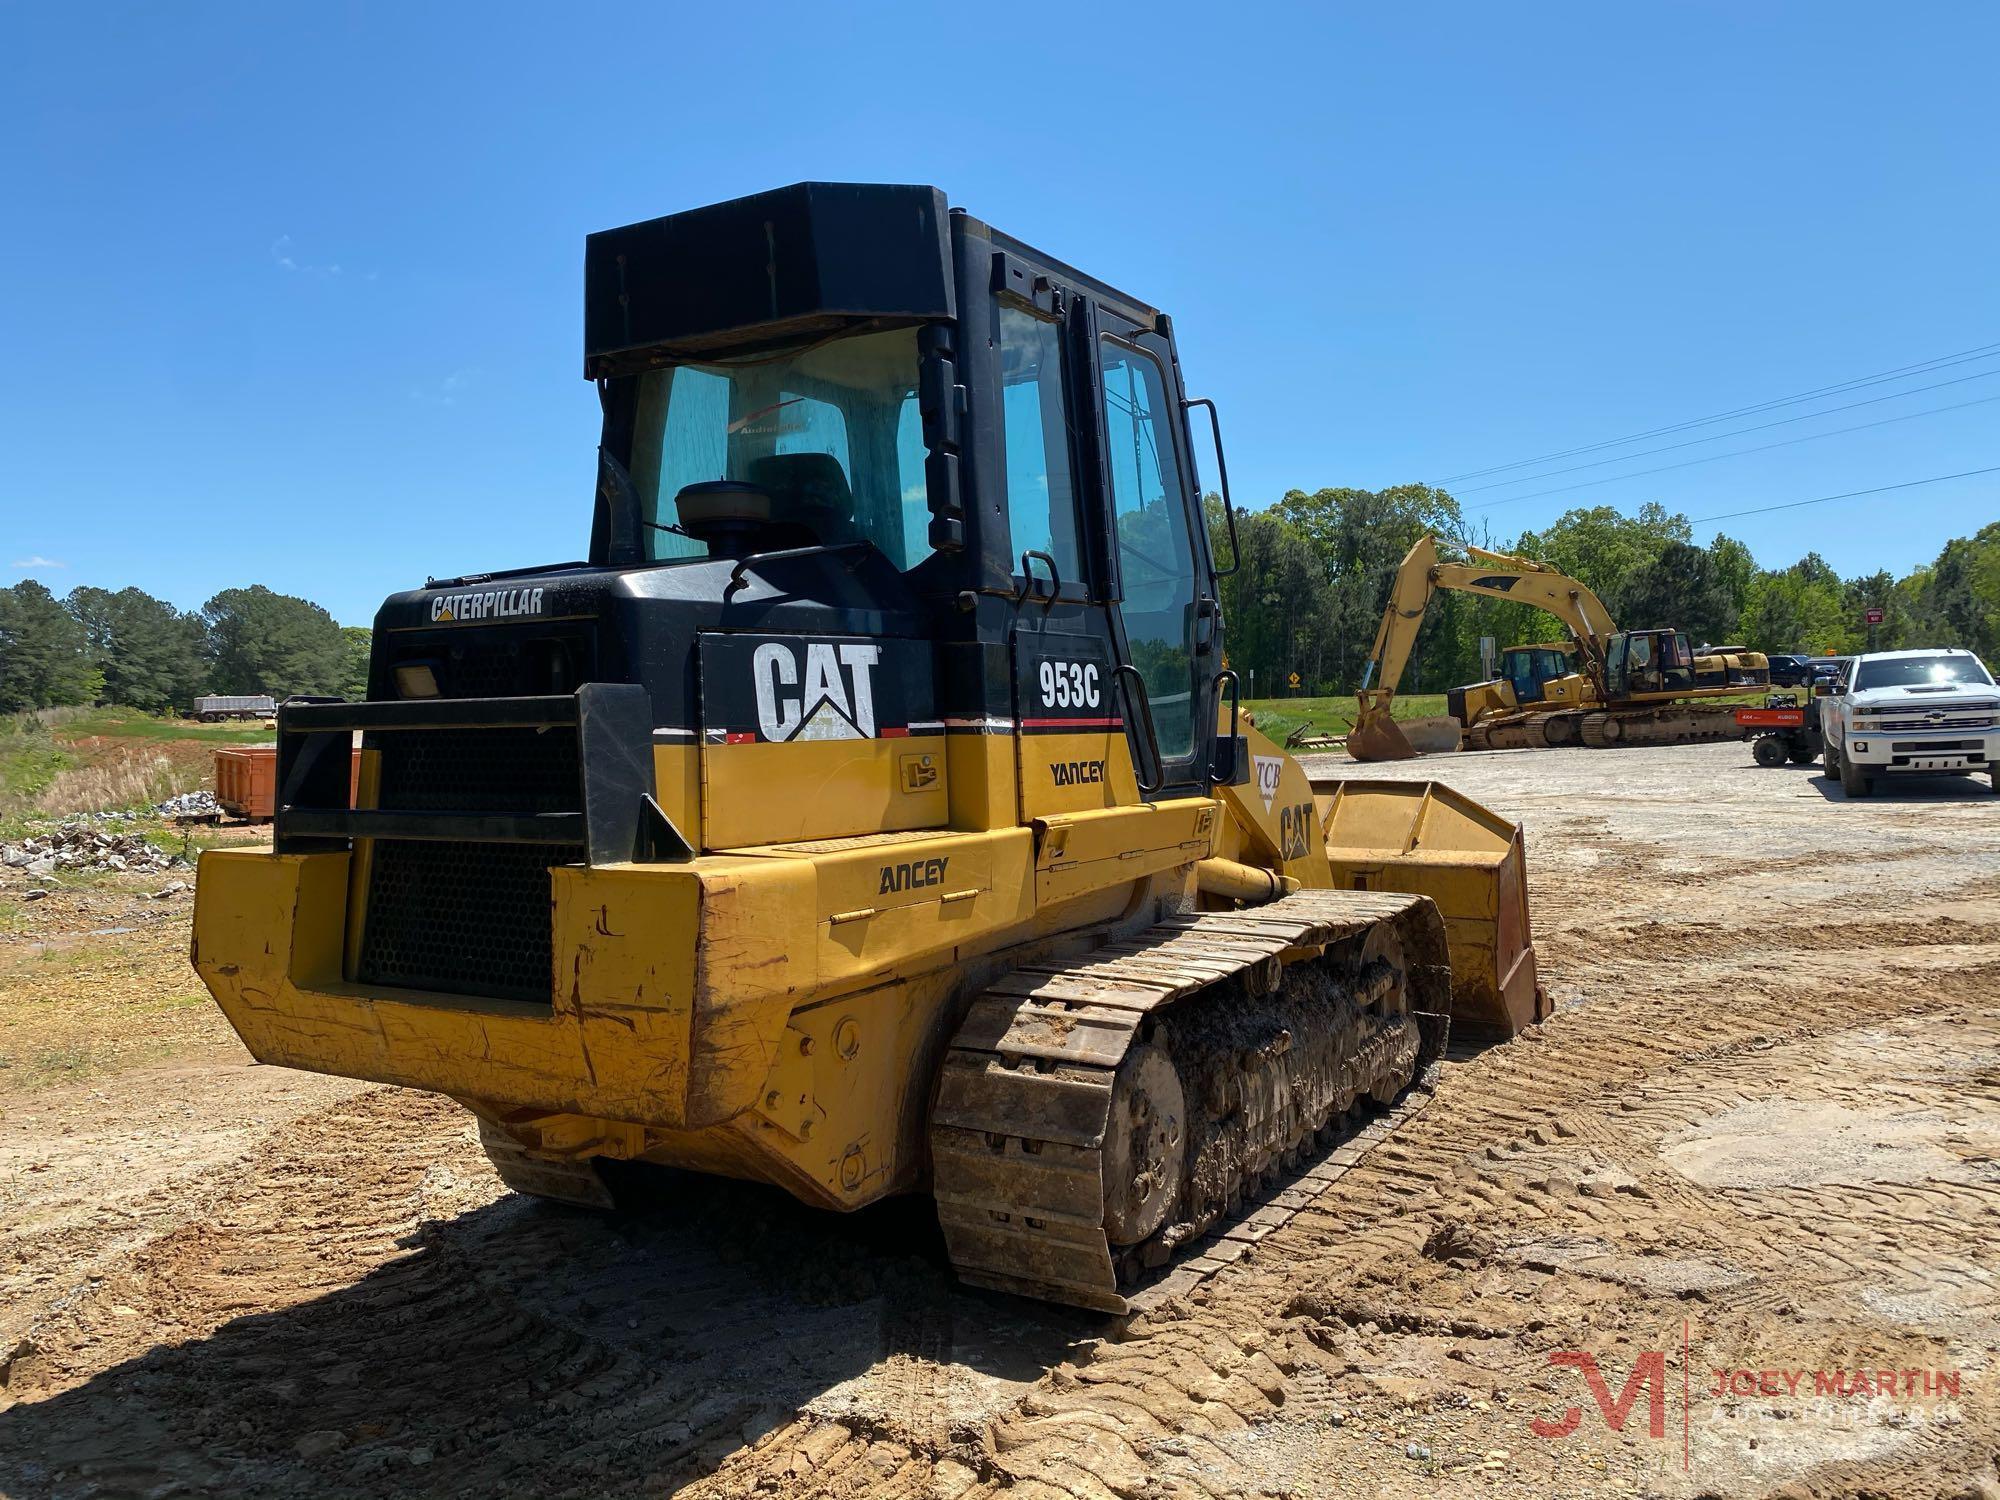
<point x="782" y="689"/>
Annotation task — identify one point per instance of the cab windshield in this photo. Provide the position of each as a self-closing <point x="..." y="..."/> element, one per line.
<point x="829" y="429"/>
<point x="1528" y="667"/>
<point x="1920" y="671"/>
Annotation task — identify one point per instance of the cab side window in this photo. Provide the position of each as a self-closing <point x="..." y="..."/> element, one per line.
<point x="1041" y="493"/>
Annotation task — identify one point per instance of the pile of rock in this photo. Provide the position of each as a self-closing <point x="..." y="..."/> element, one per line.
<point x="78" y="845"/>
<point x="198" y="804"/>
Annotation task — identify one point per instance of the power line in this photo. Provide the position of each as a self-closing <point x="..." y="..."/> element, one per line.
<point x="1881" y="489"/>
<point x="1916" y="390"/>
<point x="1709" y="458"/>
<point x="1941" y="362"/>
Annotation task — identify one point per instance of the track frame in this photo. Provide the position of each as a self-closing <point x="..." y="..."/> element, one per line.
<point x="1024" y="1098"/>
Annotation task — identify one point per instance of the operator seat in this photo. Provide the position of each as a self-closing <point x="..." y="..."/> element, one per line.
<point x="809" y="495"/>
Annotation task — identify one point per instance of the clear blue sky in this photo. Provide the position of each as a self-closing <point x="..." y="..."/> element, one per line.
<point x="291" y="294"/>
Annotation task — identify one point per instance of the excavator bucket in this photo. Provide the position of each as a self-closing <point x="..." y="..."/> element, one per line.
<point x="1423" y="838"/>
<point x="1375" y="735"/>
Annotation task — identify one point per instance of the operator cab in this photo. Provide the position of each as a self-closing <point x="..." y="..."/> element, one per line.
<point x="1641" y="662"/>
<point x="1527" y="669"/>
<point x="879" y="401"/>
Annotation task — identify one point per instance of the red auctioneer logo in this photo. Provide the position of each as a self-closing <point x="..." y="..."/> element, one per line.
<point x="1650" y="1370"/>
<point x="1825" y="1390"/>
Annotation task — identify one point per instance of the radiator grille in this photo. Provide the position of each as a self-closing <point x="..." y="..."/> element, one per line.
<point x="1963" y="722"/>
<point x="479" y="770"/>
<point x="466" y="917"/>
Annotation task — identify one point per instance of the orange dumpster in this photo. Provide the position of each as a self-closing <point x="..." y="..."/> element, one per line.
<point x="246" y="780"/>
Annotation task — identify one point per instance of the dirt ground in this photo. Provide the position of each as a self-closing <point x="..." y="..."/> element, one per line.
<point x="1761" y="1136"/>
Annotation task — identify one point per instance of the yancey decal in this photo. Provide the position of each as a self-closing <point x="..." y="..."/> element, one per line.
<point x="831" y="696"/>
<point x="1076" y="772"/>
<point x="491" y="604"/>
<point x="914" y="875"/>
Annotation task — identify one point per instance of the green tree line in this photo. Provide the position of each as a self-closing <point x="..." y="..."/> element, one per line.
<point x="1317" y="566"/>
<point x="97" y="646"/>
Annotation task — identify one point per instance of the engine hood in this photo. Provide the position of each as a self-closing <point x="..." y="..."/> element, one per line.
<point x="1925" y="696"/>
<point x="543" y="631"/>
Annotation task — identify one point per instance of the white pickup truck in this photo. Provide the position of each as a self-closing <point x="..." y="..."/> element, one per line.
<point x="1921" y="713"/>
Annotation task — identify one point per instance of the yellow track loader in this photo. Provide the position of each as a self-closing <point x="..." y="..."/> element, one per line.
<point x="870" y="811"/>
<point x="1603" y="687"/>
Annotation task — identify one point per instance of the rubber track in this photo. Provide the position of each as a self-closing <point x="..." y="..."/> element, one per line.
<point x="1025" y="1093"/>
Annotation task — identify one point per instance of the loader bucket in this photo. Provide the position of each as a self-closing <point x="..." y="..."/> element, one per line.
<point x="1423" y="838"/>
<point x="1375" y="735"/>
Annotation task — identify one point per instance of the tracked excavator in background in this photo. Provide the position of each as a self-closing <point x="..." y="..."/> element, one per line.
<point x="1603" y="687"/>
<point x="870" y="812"/>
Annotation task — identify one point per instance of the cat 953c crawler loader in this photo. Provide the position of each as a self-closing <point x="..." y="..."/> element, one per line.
<point x="871" y="811"/>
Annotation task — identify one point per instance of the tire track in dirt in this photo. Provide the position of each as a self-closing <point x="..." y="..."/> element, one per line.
<point x="1576" y="1167"/>
<point x="362" y="1307"/>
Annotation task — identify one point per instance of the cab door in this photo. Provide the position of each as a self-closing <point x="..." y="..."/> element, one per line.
<point x="1617" y="681"/>
<point x="1164" y="618"/>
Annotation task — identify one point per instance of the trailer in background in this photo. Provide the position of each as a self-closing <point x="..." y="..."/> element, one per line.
<point x="214" y="707"/>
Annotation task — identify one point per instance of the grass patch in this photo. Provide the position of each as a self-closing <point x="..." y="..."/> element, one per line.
<point x="30" y="760"/>
<point x="1278" y="717"/>
<point x="64" y="761"/>
<point x="59" y="1064"/>
<point x="84" y="1006"/>
<point x="130" y="777"/>
<point x="182" y="1000"/>
<point x="187" y="842"/>
<point x="132" y="724"/>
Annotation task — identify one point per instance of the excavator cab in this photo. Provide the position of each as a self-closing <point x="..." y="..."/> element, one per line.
<point x="1638" y="663"/>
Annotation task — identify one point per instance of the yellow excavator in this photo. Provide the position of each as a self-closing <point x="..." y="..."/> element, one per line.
<point x="870" y="811"/>
<point x="1603" y="687"/>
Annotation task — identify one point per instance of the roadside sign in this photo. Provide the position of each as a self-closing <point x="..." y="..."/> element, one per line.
<point x="1872" y="616"/>
<point x="1293" y="679"/>
<point x="1831" y="652"/>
